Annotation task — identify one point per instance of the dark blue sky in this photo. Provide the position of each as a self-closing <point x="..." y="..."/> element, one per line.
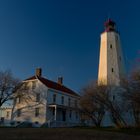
<point x="63" y="36"/>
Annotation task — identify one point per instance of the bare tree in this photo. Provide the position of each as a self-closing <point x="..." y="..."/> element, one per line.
<point x="97" y="99"/>
<point x="27" y="98"/>
<point x="93" y="109"/>
<point x="132" y="95"/>
<point x="7" y="85"/>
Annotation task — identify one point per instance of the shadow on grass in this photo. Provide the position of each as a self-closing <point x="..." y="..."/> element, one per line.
<point x="129" y="130"/>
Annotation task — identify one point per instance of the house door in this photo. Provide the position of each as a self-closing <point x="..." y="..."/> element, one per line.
<point x="63" y="115"/>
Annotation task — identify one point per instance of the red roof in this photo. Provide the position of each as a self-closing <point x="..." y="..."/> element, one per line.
<point x="53" y="85"/>
<point x="109" y="25"/>
<point x="109" y="22"/>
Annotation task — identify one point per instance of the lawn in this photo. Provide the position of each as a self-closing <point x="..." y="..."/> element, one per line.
<point x="64" y="134"/>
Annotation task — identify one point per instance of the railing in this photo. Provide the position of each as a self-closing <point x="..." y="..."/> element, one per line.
<point x="54" y="123"/>
<point x="50" y="121"/>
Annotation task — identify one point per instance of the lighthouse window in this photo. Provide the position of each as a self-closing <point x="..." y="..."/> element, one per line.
<point x="116" y="37"/>
<point x="112" y="70"/>
<point x="111" y="46"/>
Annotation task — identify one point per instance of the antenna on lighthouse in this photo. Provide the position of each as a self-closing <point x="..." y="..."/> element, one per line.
<point x="108" y="16"/>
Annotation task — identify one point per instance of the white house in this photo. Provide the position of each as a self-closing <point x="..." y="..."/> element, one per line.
<point x="5" y="115"/>
<point x="42" y="101"/>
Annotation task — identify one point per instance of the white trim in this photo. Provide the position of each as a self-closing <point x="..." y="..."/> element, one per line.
<point x="64" y="93"/>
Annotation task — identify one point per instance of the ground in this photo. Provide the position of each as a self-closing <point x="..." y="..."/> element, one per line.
<point x="64" y="134"/>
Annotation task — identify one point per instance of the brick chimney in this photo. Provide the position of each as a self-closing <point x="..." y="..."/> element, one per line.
<point x="38" y="72"/>
<point x="60" y="80"/>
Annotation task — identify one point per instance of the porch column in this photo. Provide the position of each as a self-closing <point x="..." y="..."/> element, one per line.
<point x="55" y="112"/>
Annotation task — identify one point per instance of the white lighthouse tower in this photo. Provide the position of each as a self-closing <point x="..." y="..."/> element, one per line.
<point x="111" y="63"/>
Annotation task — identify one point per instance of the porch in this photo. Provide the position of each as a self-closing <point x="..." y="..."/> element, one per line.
<point x="63" y="116"/>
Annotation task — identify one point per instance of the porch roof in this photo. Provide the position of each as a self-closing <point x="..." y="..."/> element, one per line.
<point x="63" y="107"/>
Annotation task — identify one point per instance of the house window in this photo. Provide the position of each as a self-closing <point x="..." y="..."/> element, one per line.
<point x="112" y="70"/>
<point x="36" y="122"/>
<point x="70" y="113"/>
<point x="33" y="85"/>
<point x="2" y="119"/>
<point x="18" y="122"/>
<point x="25" y="86"/>
<point x="76" y="103"/>
<point x="113" y="97"/>
<point x="19" y="100"/>
<point x="69" y="102"/>
<point x="62" y="100"/>
<point x="37" y="97"/>
<point x="18" y="112"/>
<point x="110" y="46"/>
<point x="36" y="112"/>
<point x="54" y="98"/>
<point x="76" y="115"/>
<point x="53" y="111"/>
<point x="7" y="114"/>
